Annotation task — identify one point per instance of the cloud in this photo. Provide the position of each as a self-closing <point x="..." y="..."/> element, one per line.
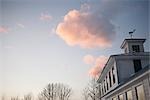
<point x="20" y="25"/>
<point x="9" y="47"/>
<point x="98" y="65"/>
<point x="88" y="59"/>
<point x="45" y="17"/>
<point x="52" y="32"/>
<point x="86" y="29"/>
<point x="85" y="7"/>
<point x="92" y="26"/>
<point x="3" y="29"/>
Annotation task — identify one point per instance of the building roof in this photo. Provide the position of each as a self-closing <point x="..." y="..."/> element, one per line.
<point x="133" y="40"/>
<point x="123" y="55"/>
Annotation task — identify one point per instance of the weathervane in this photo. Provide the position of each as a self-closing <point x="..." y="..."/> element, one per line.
<point x="131" y="32"/>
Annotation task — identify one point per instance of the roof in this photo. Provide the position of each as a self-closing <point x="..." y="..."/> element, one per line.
<point x="133" y="40"/>
<point x="123" y="55"/>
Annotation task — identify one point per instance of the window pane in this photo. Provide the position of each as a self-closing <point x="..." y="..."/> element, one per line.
<point x="107" y="82"/>
<point x="102" y="90"/>
<point x="137" y="65"/>
<point x="121" y="97"/>
<point x="110" y="79"/>
<point x="129" y="95"/>
<point x="140" y="92"/>
<point x="136" y="48"/>
<point x="114" y="98"/>
<point x="104" y="86"/>
<point x="113" y="74"/>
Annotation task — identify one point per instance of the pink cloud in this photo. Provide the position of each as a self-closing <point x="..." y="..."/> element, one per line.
<point x="85" y="29"/>
<point x="92" y="25"/>
<point x="45" y="17"/>
<point x="88" y="59"/>
<point x="98" y="66"/>
<point x="3" y="29"/>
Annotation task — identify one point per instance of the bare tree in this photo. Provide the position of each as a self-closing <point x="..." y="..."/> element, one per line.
<point x="28" y="97"/>
<point x="15" y="98"/>
<point x="92" y="90"/>
<point x="55" y="91"/>
<point x="49" y="93"/>
<point x="64" y="92"/>
<point x="85" y="93"/>
<point x="3" y="97"/>
<point x="41" y="97"/>
<point x="99" y="92"/>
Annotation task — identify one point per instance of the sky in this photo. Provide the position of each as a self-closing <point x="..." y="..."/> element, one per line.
<point x="65" y="41"/>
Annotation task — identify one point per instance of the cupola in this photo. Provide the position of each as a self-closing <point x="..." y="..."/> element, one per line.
<point x="133" y="45"/>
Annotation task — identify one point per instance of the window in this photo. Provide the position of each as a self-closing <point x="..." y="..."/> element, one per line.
<point x="102" y="89"/>
<point x="129" y="95"/>
<point x="107" y="82"/>
<point x="110" y="79"/>
<point x="99" y="89"/>
<point x="113" y="74"/>
<point x="136" y="48"/>
<point x="140" y="93"/>
<point x="137" y="65"/>
<point x="121" y="97"/>
<point x="114" y="98"/>
<point x="104" y="86"/>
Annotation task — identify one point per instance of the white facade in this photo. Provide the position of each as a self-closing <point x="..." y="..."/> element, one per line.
<point x="125" y="65"/>
<point x="122" y="67"/>
<point x="128" y="44"/>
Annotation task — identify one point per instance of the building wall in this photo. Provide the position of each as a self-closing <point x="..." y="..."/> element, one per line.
<point x="135" y="43"/>
<point x="132" y="85"/>
<point x="105" y="79"/>
<point x="125" y="66"/>
<point x="125" y="69"/>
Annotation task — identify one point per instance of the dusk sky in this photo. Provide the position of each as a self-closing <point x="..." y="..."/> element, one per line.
<point x="65" y="41"/>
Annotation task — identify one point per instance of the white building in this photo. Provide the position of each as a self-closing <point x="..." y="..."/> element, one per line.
<point x="126" y="76"/>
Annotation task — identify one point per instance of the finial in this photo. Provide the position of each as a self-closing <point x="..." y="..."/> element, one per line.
<point x="131" y="33"/>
